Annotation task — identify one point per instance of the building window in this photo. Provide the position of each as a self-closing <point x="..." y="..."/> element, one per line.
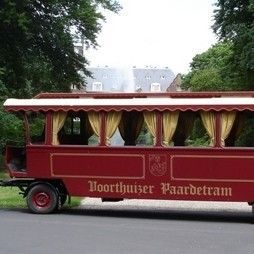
<point x="73" y="87"/>
<point x="155" y="87"/>
<point x="97" y="86"/>
<point x="148" y="77"/>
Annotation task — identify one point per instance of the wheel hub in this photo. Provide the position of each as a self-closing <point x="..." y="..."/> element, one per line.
<point x="41" y="199"/>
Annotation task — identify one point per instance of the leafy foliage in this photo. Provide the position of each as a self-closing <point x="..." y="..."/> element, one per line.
<point x="199" y="136"/>
<point x="11" y="129"/>
<point x="37" y="43"/>
<point x="234" y="23"/>
<point x="246" y="137"/>
<point x="228" y="65"/>
<point x="212" y="70"/>
<point x="145" y="137"/>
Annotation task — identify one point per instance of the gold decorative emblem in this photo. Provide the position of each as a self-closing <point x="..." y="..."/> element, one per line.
<point x="158" y="164"/>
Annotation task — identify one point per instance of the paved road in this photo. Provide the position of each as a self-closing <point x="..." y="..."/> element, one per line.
<point x="106" y="228"/>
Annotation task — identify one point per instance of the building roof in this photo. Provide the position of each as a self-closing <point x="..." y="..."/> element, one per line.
<point x="129" y="79"/>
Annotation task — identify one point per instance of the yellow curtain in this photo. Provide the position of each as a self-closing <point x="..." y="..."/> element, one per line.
<point x="227" y="121"/>
<point x="169" y="126"/>
<point x="58" y="122"/>
<point x="95" y="121"/>
<point x="208" y="119"/>
<point x="112" y="122"/>
<point x="150" y="119"/>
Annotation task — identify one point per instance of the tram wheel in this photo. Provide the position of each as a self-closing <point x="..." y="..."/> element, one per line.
<point x="42" y="199"/>
<point x="63" y="199"/>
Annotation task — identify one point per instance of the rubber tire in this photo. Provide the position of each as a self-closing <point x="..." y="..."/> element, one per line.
<point x="42" y="199"/>
<point x="63" y="199"/>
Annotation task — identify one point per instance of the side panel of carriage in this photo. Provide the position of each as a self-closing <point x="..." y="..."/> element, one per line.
<point x="148" y="173"/>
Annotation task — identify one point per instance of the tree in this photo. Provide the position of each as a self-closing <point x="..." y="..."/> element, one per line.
<point x="11" y="130"/>
<point x="234" y="23"/>
<point x="211" y="70"/>
<point x="37" y="49"/>
<point x="37" y="43"/>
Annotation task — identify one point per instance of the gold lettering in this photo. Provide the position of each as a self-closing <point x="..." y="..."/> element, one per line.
<point x="172" y="190"/>
<point x="100" y="187"/>
<point x="216" y="191"/>
<point x="180" y="190"/>
<point x="140" y="189"/>
<point x="111" y="188"/>
<point x="186" y="190"/>
<point x="121" y="188"/>
<point x="193" y="190"/>
<point x="199" y="191"/>
<point x="145" y="189"/>
<point x="151" y="189"/>
<point x="166" y="189"/>
<point x="226" y="192"/>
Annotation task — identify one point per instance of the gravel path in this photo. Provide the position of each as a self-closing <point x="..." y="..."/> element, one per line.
<point x="96" y="203"/>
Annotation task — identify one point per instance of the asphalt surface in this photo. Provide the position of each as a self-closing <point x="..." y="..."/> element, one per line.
<point x="130" y="227"/>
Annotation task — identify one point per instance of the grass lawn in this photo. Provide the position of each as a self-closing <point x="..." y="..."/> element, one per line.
<point x="10" y="198"/>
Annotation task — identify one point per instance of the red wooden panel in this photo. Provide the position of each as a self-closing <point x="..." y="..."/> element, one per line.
<point x="213" y="168"/>
<point x="98" y="165"/>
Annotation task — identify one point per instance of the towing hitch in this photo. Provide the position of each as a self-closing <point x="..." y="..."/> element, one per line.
<point x="3" y="183"/>
<point x="8" y="183"/>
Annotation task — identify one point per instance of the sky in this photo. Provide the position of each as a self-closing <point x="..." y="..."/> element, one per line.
<point x="157" y="33"/>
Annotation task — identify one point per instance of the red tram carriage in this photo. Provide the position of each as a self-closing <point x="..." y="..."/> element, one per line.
<point x="76" y="153"/>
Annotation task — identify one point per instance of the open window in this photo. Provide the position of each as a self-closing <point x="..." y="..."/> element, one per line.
<point x="75" y="129"/>
<point x="131" y="127"/>
<point x="241" y="133"/>
<point x="36" y="127"/>
<point x="148" y="131"/>
<point x="195" y="129"/>
<point x="184" y="128"/>
<point x="15" y="150"/>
